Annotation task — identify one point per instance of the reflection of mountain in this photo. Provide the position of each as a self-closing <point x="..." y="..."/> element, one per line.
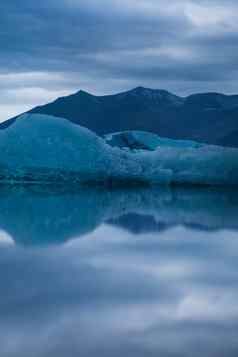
<point x="38" y="215"/>
<point x="194" y="207"/>
<point x="138" y="224"/>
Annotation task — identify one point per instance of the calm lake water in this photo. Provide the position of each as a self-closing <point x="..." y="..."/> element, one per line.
<point x="136" y="272"/>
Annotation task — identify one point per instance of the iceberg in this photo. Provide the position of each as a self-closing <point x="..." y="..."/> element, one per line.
<point x="41" y="148"/>
<point x="143" y="140"/>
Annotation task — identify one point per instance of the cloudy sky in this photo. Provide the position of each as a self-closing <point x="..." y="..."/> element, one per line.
<point x="54" y="47"/>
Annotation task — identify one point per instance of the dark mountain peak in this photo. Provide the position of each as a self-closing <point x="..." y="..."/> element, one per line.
<point x="205" y="97"/>
<point x="156" y="96"/>
<point x="141" y="90"/>
<point x="77" y="99"/>
<point x="212" y="100"/>
<point x="148" y="92"/>
<point x="82" y="92"/>
<point x="78" y="94"/>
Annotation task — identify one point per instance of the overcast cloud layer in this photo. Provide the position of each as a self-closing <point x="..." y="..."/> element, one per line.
<point x="55" y="47"/>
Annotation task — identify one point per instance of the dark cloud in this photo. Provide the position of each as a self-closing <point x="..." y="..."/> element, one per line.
<point x="113" y="45"/>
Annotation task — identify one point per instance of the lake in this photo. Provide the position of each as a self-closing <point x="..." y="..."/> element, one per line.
<point x="118" y="272"/>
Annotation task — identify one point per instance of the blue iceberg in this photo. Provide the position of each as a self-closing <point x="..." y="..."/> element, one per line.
<point x="143" y="140"/>
<point x="41" y="148"/>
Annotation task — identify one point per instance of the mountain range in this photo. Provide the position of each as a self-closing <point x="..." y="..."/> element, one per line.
<point x="207" y="117"/>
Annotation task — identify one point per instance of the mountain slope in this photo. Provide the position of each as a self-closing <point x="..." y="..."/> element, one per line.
<point x="208" y="117"/>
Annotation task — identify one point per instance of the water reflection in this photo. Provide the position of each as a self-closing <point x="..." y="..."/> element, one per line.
<point x="42" y="215"/>
<point x="121" y="289"/>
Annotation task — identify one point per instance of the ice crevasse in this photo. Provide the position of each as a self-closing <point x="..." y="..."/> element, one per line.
<point x="41" y="148"/>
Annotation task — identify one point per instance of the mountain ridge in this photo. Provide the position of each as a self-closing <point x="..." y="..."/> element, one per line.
<point x="209" y="117"/>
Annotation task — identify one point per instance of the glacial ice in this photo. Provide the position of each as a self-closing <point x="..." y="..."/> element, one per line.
<point x="143" y="140"/>
<point x="41" y="148"/>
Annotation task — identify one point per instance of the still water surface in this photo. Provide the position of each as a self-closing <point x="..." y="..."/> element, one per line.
<point x="137" y="272"/>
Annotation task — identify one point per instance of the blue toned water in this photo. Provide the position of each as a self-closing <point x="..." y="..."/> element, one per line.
<point x="136" y="272"/>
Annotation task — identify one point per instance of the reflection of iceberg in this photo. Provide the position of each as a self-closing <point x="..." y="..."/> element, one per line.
<point x="43" y="148"/>
<point x="39" y="216"/>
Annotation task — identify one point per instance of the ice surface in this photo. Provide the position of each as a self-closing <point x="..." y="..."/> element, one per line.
<point x="44" y="148"/>
<point x="136" y="140"/>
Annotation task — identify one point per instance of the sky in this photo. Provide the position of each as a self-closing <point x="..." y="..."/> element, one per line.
<point x="52" y="48"/>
